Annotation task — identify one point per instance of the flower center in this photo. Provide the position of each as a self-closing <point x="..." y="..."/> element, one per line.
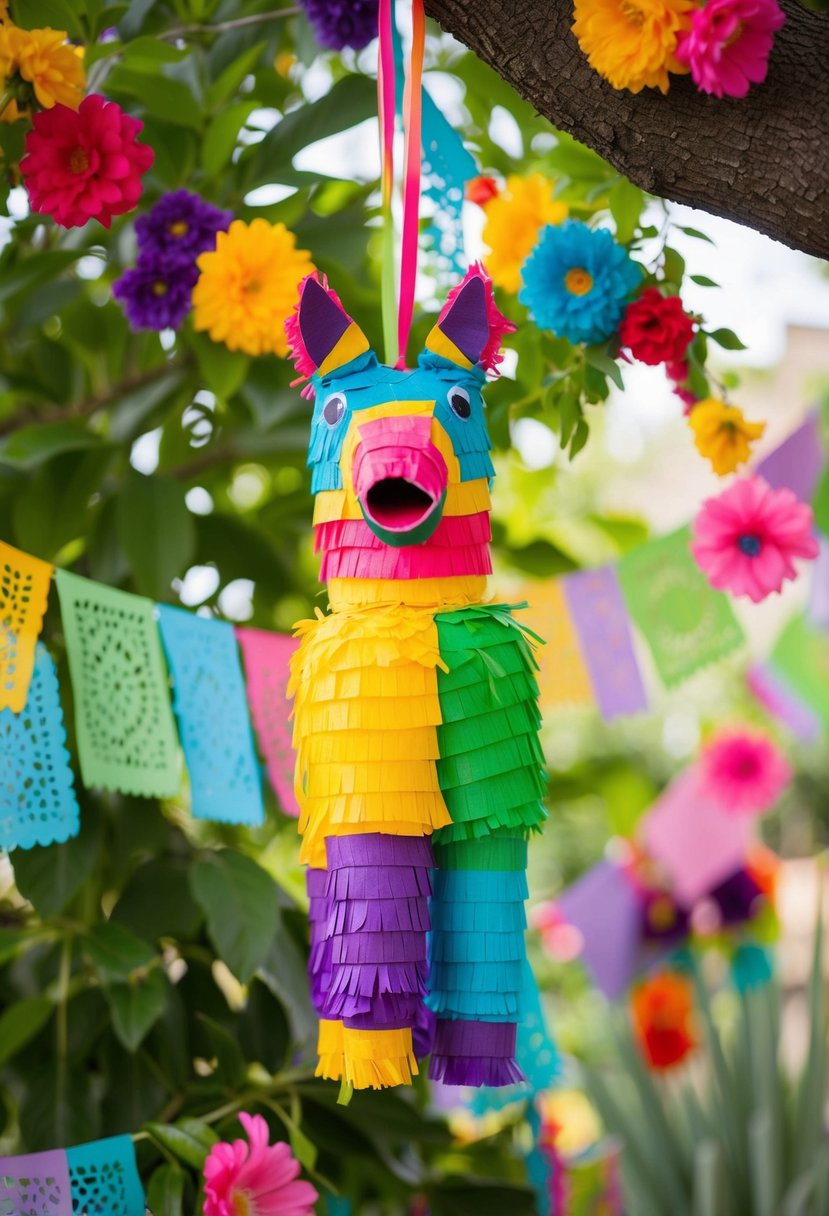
<point x="578" y="281"/>
<point x="78" y="160"/>
<point x="253" y="287"/>
<point x="633" y="14"/>
<point x="179" y="228"/>
<point x="242" y="1205"/>
<point x="160" y="288"/>
<point x="661" y="913"/>
<point x="750" y="545"/>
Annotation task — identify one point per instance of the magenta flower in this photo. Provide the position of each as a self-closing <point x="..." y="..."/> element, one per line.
<point x="255" y="1179"/>
<point x="743" y="771"/>
<point x="728" y="45"/>
<point x="746" y="537"/>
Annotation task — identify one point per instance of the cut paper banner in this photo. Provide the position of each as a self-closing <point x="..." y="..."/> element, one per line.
<point x="36" y="1183"/>
<point x="818" y="610"/>
<point x="104" y="1178"/>
<point x="123" y="721"/>
<point x="38" y="805"/>
<point x="800" y="660"/>
<point x="563" y="678"/>
<point x="684" y="621"/>
<point x="212" y="712"/>
<point x="24" y="592"/>
<point x="598" y="611"/>
<point x="782" y="703"/>
<point x="267" y="658"/>
<point x="796" y="464"/>
<point x="697" y="842"/>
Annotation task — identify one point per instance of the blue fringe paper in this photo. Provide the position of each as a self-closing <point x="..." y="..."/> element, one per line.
<point x="212" y="712"/>
<point x="38" y="805"/>
<point x="105" y="1179"/>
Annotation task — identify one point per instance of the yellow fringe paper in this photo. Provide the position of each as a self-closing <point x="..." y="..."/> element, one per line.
<point x="330" y="1051"/>
<point x="563" y="678"/>
<point x="462" y="498"/>
<point x="437" y="594"/>
<point x="378" y="1059"/>
<point x="24" y="591"/>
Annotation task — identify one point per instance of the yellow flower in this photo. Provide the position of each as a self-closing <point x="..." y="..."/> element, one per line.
<point x="4" y="10"/>
<point x="514" y="219"/>
<point x="248" y="286"/>
<point x="40" y="66"/>
<point x="722" y="434"/>
<point x="632" y="43"/>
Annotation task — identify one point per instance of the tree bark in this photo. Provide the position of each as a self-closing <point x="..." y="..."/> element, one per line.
<point x="762" y="161"/>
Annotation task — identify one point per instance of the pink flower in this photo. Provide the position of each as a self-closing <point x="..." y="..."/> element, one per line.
<point x="743" y="771"/>
<point x="746" y="537"/>
<point x="562" y="941"/>
<point x="255" y="1179"/>
<point x="84" y="164"/>
<point x="728" y="45"/>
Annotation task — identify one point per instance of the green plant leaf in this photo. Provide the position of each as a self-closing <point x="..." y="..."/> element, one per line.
<point x="136" y="1006"/>
<point x="21" y="1022"/>
<point x="241" y="903"/>
<point x="115" y="953"/>
<point x="223" y="370"/>
<point x="702" y="280"/>
<point x="230" y="78"/>
<point x="727" y="339"/>
<point x="31" y="446"/>
<point x="222" y="135"/>
<point x="50" y="877"/>
<point x="156" y="530"/>
<point x="157" y="902"/>
<point x="230" y="1060"/>
<point x="188" y="1139"/>
<point x="626" y="203"/>
<point x="165" y="1192"/>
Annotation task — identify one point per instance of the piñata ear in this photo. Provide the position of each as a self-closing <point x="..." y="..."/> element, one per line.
<point x="470" y="327"/>
<point x="321" y="335"/>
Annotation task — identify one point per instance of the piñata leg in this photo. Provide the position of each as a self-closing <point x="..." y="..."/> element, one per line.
<point x="330" y="1040"/>
<point x="379" y="888"/>
<point x="490" y="773"/>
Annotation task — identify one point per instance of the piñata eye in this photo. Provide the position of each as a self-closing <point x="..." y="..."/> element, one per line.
<point x="459" y="401"/>
<point x="334" y="408"/>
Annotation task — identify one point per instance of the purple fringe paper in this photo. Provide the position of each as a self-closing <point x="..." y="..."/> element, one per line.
<point x="379" y="915"/>
<point x="377" y="849"/>
<point x="319" y="960"/>
<point x="368" y="882"/>
<point x="374" y="948"/>
<point x="391" y="1011"/>
<point x="423" y="1031"/>
<point x="475" y="1053"/>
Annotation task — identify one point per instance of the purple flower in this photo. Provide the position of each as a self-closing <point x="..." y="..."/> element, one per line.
<point x="180" y="225"/>
<point x="341" y="23"/>
<point x="156" y="293"/>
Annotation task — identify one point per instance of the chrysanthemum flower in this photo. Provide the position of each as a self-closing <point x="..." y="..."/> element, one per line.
<point x="656" y="328"/>
<point x="514" y="219"/>
<point x="157" y="293"/>
<point x="39" y="67"/>
<point x="662" y="1013"/>
<point x="743" y="771"/>
<point x="255" y="1179"/>
<point x="728" y="45"/>
<point x="180" y="225"/>
<point x="723" y="434"/>
<point x="248" y="286"/>
<point x="341" y="23"/>
<point x="577" y="282"/>
<point x="745" y="540"/>
<point x="632" y="43"/>
<point x="84" y="164"/>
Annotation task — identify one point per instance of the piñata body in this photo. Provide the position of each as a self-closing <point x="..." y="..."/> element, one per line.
<point x="419" y="773"/>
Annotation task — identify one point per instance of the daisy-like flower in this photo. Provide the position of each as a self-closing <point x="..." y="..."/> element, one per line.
<point x="656" y="328"/>
<point x="743" y="771"/>
<point x="39" y="68"/>
<point x="514" y="218"/>
<point x="746" y="538"/>
<point x="577" y="282"/>
<point x="728" y="45"/>
<point x="255" y="1179"/>
<point x="84" y="164"/>
<point x="248" y="286"/>
<point x="662" y="1014"/>
<point x="723" y="434"/>
<point x="156" y="294"/>
<point x="180" y="225"/>
<point x="633" y="43"/>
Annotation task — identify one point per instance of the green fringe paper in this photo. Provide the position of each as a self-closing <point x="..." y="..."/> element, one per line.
<point x="495" y="853"/>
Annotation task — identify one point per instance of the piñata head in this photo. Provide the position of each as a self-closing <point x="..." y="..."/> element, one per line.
<point x="400" y="457"/>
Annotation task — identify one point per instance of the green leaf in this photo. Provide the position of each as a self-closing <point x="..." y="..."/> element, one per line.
<point x="241" y="903"/>
<point x="58" y="1106"/>
<point x="36" y="269"/>
<point x="222" y="136"/>
<point x="674" y="267"/>
<point x="283" y="970"/>
<point x="156" y="530"/>
<point x="29" y="446"/>
<point x="459" y="1196"/>
<point x="21" y="1022"/>
<point x="695" y="232"/>
<point x="169" y="100"/>
<point x="727" y="339"/>
<point x="147" y="53"/>
<point x="598" y="357"/>
<point x="58" y="14"/>
<point x="14" y="942"/>
<point x="188" y="1139"/>
<point x="702" y="280"/>
<point x="626" y="203"/>
<point x="165" y="1193"/>
<point x="137" y="1006"/>
<point x="223" y="370"/>
<point x="228" y="81"/>
<point x="115" y="953"/>
<point x="157" y="902"/>
<point x="50" y="877"/>
<point x="230" y="1060"/>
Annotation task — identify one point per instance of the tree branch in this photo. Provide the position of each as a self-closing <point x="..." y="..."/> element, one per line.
<point x="762" y="161"/>
<point x="238" y="23"/>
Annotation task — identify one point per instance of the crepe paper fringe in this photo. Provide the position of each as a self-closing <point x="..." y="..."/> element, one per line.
<point x="417" y="561"/>
<point x="377" y="1059"/>
<point x="330" y="1050"/>
<point x="211" y="707"/>
<point x="391" y="1011"/>
<point x="302" y="360"/>
<point x="475" y="1053"/>
<point x="348" y="594"/>
<point x="499" y="325"/>
<point x="38" y="804"/>
<point x="319" y="959"/>
<point x="24" y="594"/>
<point x="123" y="720"/>
<point x="501" y="853"/>
<point x="453" y="531"/>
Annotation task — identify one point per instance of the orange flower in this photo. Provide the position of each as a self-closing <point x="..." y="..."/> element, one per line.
<point x="662" y="1014"/>
<point x="40" y="68"/>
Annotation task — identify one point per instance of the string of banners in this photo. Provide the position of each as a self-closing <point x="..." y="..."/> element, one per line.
<point x="229" y="685"/>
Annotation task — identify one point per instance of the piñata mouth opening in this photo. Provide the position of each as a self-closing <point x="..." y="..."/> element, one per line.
<point x="397" y="504"/>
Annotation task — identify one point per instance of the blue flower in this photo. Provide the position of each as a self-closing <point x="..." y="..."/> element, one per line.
<point x="577" y="282"/>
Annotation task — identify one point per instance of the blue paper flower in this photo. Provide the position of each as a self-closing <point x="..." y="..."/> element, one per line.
<point x="577" y="282"/>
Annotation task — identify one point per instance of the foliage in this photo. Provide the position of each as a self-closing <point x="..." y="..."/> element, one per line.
<point x="746" y="1138"/>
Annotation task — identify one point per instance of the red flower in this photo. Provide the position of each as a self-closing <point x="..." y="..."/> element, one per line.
<point x="84" y="164"/>
<point x="661" y="1009"/>
<point x="656" y="328"/>
<point x="481" y="189"/>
